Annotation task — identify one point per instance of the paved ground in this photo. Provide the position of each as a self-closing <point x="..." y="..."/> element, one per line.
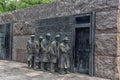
<point x="10" y="70"/>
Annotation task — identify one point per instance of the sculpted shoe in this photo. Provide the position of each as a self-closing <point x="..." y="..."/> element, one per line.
<point x="67" y="72"/>
<point x="52" y="71"/>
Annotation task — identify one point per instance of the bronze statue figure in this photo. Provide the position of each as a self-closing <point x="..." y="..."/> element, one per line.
<point x="46" y="52"/>
<point x="31" y="48"/>
<point x="41" y="52"/>
<point x="38" y="54"/>
<point x="46" y="55"/>
<point x="64" y="63"/>
<point x="54" y="53"/>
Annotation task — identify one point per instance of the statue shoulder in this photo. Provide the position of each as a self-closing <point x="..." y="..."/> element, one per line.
<point x="43" y="40"/>
<point x="53" y="42"/>
<point x="37" y="42"/>
<point x="61" y="45"/>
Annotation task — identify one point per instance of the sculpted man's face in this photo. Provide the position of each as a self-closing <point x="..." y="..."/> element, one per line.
<point x="48" y="36"/>
<point x="32" y="38"/>
<point x="66" y="40"/>
<point x="57" y="38"/>
<point x="40" y="39"/>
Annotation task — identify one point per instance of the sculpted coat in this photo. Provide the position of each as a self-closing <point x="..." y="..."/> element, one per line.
<point x="31" y="48"/>
<point x="46" y="50"/>
<point x="64" y="56"/>
<point x="54" y="51"/>
<point x="37" y="56"/>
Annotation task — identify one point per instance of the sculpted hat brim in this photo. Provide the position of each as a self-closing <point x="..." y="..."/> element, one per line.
<point x="40" y="37"/>
<point x="57" y="36"/>
<point x="48" y="34"/>
<point x="32" y="36"/>
<point x="66" y="39"/>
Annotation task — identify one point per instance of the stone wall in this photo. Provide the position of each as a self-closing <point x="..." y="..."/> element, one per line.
<point x="106" y="45"/>
<point x="107" y="33"/>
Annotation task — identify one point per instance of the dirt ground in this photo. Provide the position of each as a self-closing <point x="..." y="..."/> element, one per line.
<point x="10" y="70"/>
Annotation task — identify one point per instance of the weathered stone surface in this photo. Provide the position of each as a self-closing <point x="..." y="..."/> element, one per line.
<point x="118" y="67"/>
<point x="59" y="8"/>
<point x="106" y="44"/>
<point x="106" y="21"/>
<point x="105" y="67"/>
<point x="106" y="27"/>
<point x="60" y="25"/>
<point x="118" y="53"/>
<point x="19" y="48"/>
<point x="118" y="44"/>
<point x="21" y="55"/>
<point x="118" y="21"/>
<point x="24" y="28"/>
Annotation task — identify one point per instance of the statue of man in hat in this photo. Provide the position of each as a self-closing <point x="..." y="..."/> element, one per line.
<point x="39" y="53"/>
<point x="54" y="53"/>
<point x="64" y="63"/>
<point x="31" y="48"/>
<point x="46" y="52"/>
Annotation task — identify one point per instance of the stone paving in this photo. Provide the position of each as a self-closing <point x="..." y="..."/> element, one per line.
<point x="10" y="70"/>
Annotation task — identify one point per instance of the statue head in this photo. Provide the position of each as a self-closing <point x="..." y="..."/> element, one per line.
<point x="57" y="37"/>
<point x="48" y="35"/>
<point x="66" y="40"/>
<point x="40" y="38"/>
<point x="32" y="37"/>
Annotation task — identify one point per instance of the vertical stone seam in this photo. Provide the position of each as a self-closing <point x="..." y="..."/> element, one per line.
<point x="117" y="69"/>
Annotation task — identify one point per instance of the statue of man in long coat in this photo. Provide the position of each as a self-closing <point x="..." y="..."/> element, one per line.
<point x="54" y="53"/>
<point x="46" y="52"/>
<point x="31" y="48"/>
<point x="39" y="53"/>
<point x="64" y="63"/>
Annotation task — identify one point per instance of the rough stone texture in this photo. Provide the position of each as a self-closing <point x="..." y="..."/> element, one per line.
<point x="62" y="26"/>
<point x="118" y="67"/>
<point x="118" y="43"/>
<point x="106" y="28"/>
<point x="118" y="21"/>
<point x="19" y="71"/>
<point x="59" y="8"/>
<point x="19" y="50"/>
<point x="106" y="21"/>
<point x="105" y="67"/>
<point x="23" y="28"/>
<point x="23" y="20"/>
<point x="106" y="45"/>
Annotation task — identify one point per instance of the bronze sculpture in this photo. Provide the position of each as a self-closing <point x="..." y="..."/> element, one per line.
<point x="54" y="53"/>
<point x="46" y="52"/>
<point x="48" y="55"/>
<point x="64" y="63"/>
<point x="31" y="48"/>
<point x="38" y="54"/>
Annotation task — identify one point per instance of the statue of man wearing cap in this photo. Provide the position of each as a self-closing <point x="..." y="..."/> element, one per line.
<point x="54" y="53"/>
<point x="31" y="48"/>
<point x="39" y="53"/>
<point x="64" y="63"/>
<point x="46" y="52"/>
